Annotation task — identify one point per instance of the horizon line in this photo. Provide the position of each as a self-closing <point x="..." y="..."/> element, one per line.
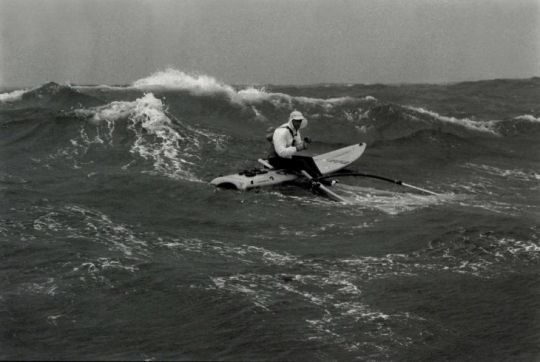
<point x="318" y="84"/>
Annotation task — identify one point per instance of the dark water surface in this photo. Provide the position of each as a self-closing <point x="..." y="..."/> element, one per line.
<point x="114" y="246"/>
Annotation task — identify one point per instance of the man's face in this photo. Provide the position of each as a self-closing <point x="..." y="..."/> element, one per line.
<point x="296" y="123"/>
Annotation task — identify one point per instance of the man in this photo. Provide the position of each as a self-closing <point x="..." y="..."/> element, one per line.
<point x="287" y="142"/>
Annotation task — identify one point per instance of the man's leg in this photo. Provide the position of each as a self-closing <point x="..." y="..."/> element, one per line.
<point x="296" y="163"/>
<point x="307" y="164"/>
<point x="281" y="163"/>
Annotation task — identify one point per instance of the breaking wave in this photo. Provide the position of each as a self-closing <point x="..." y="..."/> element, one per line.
<point x="172" y="147"/>
<point x="201" y="84"/>
<point x="528" y="117"/>
<point x="480" y="126"/>
<point x="172" y="79"/>
<point x="13" y="96"/>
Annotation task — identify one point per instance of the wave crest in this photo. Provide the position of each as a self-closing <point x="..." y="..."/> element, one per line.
<point x="205" y="85"/>
<point x="13" y="96"/>
<point x="156" y="138"/>
<point x="172" y="79"/>
<point x="528" y="117"/>
<point x="481" y="126"/>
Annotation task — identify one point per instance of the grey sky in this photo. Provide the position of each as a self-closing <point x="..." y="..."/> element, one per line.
<point x="262" y="41"/>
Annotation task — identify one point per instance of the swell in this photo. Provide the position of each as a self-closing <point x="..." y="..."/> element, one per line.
<point x="49" y="96"/>
<point x="180" y="125"/>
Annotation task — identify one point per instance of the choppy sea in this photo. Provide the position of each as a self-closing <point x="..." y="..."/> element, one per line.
<point x="113" y="244"/>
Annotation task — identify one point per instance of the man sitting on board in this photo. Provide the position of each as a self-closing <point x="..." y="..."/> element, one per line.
<point x="287" y="142"/>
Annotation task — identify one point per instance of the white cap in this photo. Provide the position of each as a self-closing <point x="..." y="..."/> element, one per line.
<point x="296" y="115"/>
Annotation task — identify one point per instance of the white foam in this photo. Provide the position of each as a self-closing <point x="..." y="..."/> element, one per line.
<point x="13" y="96"/>
<point x="201" y="84"/>
<point x="389" y="202"/>
<point x="333" y="287"/>
<point x="515" y="174"/>
<point x="157" y="140"/>
<point x="177" y="80"/>
<point x="335" y="292"/>
<point x="254" y="95"/>
<point x="198" y="84"/>
<point x="52" y="319"/>
<point x="47" y="287"/>
<point x="325" y="102"/>
<point x="117" y="110"/>
<point x="102" y="264"/>
<point x="517" y="247"/>
<point x="528" y="117"/>
<point x="481" y="126"/>
<point x="118" y="236"/>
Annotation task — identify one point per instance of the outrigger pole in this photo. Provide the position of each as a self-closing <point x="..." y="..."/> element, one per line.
<point x="397" y="182"/>
<point x="325" y="189"/>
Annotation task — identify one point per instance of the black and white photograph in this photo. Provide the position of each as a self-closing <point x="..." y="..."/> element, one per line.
<point x="270" y="180"/>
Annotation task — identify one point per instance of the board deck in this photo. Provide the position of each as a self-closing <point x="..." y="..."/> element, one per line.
<point x="336" y="160"/>
<point x="327" y="163"/>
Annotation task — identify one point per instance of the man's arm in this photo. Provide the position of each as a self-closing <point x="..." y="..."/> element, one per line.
<point x="280" y="143"/>
<point x="299" y="142"/>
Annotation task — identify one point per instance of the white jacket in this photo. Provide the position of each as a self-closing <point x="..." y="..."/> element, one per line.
<point x="285" y="144"/>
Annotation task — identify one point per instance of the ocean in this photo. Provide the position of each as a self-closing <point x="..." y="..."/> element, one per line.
<point x="114" y="246"/>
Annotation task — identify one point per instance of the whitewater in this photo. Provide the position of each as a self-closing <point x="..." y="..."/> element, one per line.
<point x="115" y="246"/>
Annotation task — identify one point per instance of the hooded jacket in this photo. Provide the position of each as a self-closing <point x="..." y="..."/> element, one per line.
<point x="286" y="140"/>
